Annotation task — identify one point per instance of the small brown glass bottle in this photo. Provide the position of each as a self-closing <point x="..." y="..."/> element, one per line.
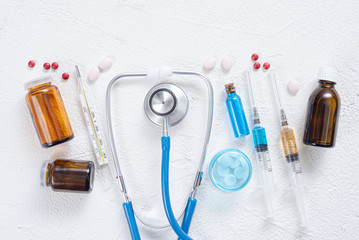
<point x="68" y="175"/>
<point x="323" y="111"/>
<point x="48" y="112"/>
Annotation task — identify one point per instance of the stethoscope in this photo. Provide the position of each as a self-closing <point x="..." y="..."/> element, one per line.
<point x="166" y="104"/>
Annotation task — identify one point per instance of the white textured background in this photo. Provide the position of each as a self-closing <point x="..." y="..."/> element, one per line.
<point x="296" y="38"/>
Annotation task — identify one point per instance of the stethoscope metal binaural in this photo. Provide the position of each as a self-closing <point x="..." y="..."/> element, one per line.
<point x="166" y="104"/>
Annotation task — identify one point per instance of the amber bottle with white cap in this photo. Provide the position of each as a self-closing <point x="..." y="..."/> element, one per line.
<point x="323" y="111"/>
<point x="48" y="112"/>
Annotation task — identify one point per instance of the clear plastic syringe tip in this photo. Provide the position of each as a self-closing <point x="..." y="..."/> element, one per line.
<point x="283" y="117"/>
<point x="255" y="116"/>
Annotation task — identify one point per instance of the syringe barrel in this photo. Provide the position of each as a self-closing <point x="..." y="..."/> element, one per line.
<point x="261" y="147"/>
<point x="289" y="144"/>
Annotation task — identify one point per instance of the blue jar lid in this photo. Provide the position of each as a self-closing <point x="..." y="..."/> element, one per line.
<point x="230" y="170"/>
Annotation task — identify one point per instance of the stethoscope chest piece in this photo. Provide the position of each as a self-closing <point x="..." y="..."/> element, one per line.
<point x="166" y="100"/>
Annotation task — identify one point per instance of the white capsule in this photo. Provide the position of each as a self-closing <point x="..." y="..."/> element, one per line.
<point x="227" y="63"/>
<point x="293" y="86"/>
<point x="209" y="63"/>
<point x="94" y="73"/>
<point x="105" y="63"/>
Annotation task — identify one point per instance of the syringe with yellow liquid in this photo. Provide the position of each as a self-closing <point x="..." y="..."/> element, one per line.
<point x="292" y="157"/>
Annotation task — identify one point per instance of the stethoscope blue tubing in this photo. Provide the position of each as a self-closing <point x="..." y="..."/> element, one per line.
<point x="165" y="190"/>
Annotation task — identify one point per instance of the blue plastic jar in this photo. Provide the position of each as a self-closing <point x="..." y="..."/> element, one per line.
<point x="230" y="170"/>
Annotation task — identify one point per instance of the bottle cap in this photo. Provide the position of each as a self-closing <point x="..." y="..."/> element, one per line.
<point x="43" y="173"/>
<point x="37" y="81"/>
<point x="327" y="73"/>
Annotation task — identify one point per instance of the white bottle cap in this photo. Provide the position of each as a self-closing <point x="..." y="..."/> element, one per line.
<point x="327" y="73"/>
<point x="37" y="81"/>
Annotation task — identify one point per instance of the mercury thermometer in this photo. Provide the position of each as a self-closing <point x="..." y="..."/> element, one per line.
<point x="93" y="127"/>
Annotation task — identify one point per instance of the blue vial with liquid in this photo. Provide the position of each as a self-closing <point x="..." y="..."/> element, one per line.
<point x="236" y="112"/>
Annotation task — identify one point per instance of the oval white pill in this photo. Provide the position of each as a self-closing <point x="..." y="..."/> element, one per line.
<point x="227" y="63"/>
<point x="209" y="63"/>
<point x="293" y="86"/>
<point x="105" y="63"/>
<point x="94" y="73"/>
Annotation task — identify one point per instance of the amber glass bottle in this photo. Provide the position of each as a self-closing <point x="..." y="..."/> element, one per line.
<point x="48" y="112"/>
<point x="68" y="175"/>
<point x="323" y="111"/>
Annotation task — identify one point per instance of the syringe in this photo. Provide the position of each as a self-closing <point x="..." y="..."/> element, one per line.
<point x="261" y="151"/>
<point x="292" y="158"/>
<point x="91" y="122"/>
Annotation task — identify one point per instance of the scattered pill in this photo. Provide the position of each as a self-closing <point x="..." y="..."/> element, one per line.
<point x="266" y="65"/>
<point x="47" y="66"/>
<point x="227" y="63"/>
<point x="230" y="180"/>
<point x="65" y="76"/>
<point x="293" y="86"/>
<point x="31" y="63"/>
<point x="94" y="73"/>
<point x="256" y="65"/>
<point x="105" y="63"/>
<point x="54" y="65"/>
<point x="255" y="56"/>
<point x="209" y="63"/>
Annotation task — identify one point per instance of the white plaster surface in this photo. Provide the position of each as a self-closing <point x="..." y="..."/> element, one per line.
<point x="296" y="37"/>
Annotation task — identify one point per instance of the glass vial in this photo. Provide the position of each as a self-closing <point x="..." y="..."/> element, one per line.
<point x="68" y="175"/>
<point x="48" y="112"/>
<point x="236" y="112"/>
<point x="323" y="111"/>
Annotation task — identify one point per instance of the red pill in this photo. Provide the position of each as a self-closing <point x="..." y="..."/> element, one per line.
<point x="47" y="66"/>
<point x="255" y="56"/>
<point x="31" y="63"/>
<point x="54" y="65"/>
<point x="266" y="65"/>
<point x="65" y="76"/>
<point x="256" y="65"/>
